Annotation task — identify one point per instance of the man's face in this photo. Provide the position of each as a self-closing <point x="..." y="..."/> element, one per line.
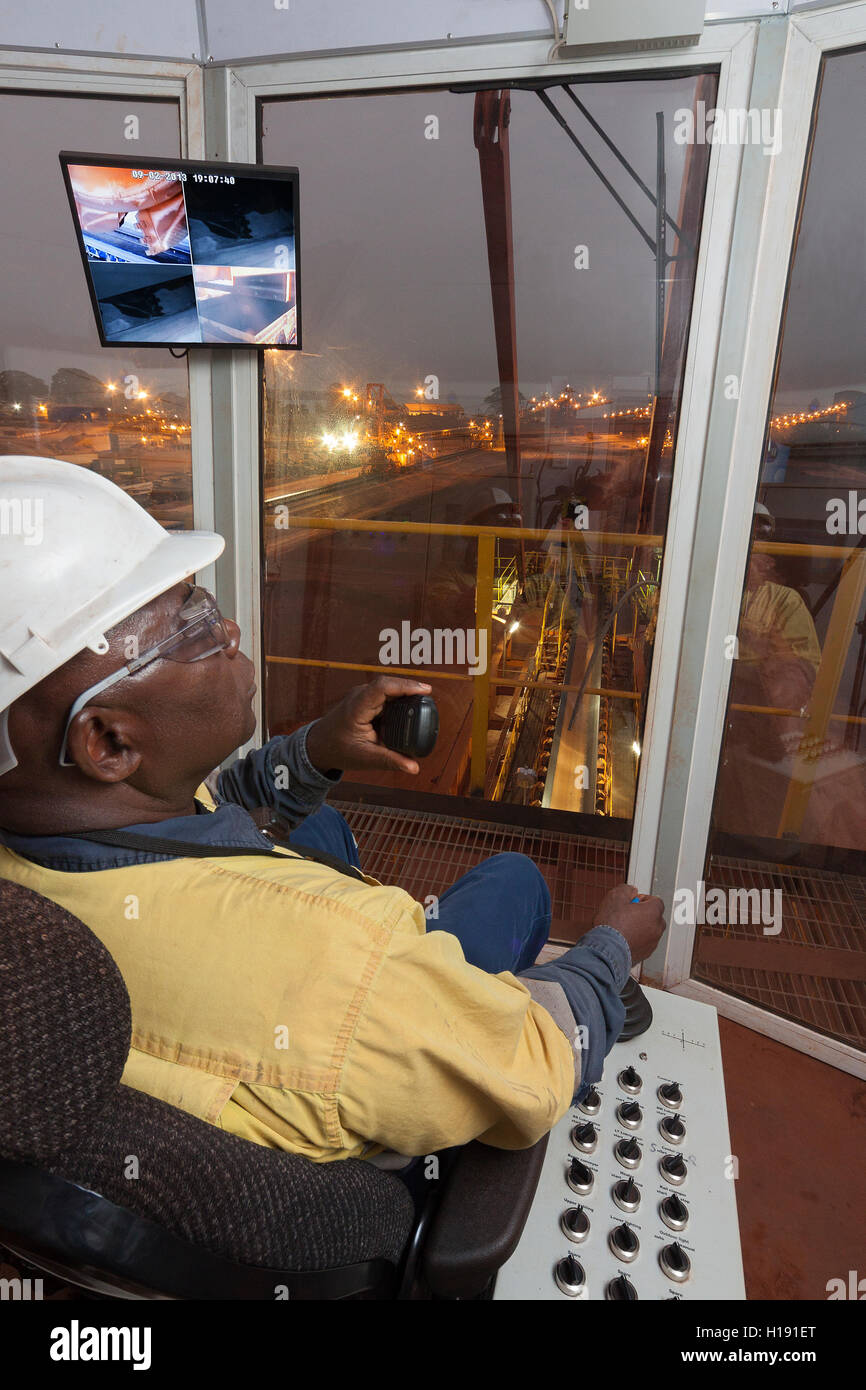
<point x="193" y="712"/>
<point x="180" y="717"/>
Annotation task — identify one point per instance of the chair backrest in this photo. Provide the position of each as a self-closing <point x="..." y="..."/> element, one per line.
<point x="65" y="1029"/>
<point x="65" y="1026"/>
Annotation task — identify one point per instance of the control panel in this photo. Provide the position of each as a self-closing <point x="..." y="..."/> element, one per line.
<point x="636" y="1199"/>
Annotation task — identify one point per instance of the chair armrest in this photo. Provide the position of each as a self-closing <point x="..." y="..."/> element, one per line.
<point x="480" y="1218"/>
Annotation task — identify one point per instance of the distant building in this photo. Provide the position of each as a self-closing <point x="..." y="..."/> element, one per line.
<point x="435" y="415"/>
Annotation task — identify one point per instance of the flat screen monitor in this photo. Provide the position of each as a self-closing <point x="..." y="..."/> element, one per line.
<point x="185" y="254"/>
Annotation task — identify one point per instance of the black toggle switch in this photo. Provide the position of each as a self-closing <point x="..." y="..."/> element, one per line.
<point x="629" y="1114"/>
<point x="591" y="1103"/>
<point x="630" y="1081"/>
<point x="580" y="1178"/>
<point x="674" y="1212"/>
<point x="621" y="1290"/>
<point x="627" y="1152"/>
<point x="626" y="1194"/>
<point x="675" y="1262"/>
<point x="575" y="1223"/>
<point x="671" y="1095"/>
<point x="673" y="1168"/>
<point x="624" y="1243"/>
<point x="570" y="1276"/>
<point x="584" y="1137"/>
<point x="672" y="1128"/>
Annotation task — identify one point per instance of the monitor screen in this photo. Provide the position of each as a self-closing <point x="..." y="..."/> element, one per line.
<point x="185" y="254"/>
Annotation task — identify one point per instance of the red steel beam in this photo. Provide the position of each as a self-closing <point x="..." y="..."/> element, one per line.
<point x="491" y="118"/>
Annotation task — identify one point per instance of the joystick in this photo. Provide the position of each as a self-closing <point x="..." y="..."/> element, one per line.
<point x="409" y="724"/>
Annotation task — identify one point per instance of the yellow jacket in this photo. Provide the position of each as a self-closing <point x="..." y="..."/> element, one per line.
<point x="308" y="1011"/>
<point x="776" y="622"/>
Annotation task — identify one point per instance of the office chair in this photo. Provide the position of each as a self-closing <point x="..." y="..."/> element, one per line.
<point x="124" y="1196"/>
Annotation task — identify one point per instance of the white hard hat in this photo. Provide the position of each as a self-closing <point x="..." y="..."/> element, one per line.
<point x="77" y="555"/>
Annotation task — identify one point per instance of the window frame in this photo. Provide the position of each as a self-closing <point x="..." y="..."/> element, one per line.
<point x="787" y="77"/>
<point x="77" y="75"/>
<point x="730" y="48"/>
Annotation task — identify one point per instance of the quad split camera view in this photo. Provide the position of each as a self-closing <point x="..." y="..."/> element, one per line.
<point x="189" y="254"/>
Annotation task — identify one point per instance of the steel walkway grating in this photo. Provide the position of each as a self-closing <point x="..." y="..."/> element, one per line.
<point x="426" y="852"/>
<point x="820" y="911"/>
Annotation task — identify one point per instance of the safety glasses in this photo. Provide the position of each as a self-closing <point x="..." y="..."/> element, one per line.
<point x="202" y="633"/>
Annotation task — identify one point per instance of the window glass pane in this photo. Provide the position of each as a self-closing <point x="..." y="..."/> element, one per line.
<point x="123" y="412"/>
<point x="789" y="819"/>
<point x="468" y="468"/>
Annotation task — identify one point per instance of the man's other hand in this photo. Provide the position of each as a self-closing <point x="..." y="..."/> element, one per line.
<point x="344" y="739"/>
<point x="641" y="923"/>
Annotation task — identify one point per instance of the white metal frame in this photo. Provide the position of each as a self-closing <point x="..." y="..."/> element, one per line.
<point x="732" y="48"/>
<point x="716" y="586"/>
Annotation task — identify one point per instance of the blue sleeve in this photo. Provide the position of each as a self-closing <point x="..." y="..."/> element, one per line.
<point x="592" y="975"/>
<point x="279" y="775"/>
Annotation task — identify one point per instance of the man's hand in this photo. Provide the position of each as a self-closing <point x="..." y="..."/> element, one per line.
<point x="641" y="923"/>
<point x="344" y="739"/>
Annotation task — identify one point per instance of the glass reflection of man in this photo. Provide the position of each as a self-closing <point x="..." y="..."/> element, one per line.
<point x="566" y="564"/>
<point x="778" y="658"/>
<point x="451" y="587"/>
<point x="779" y="651"/>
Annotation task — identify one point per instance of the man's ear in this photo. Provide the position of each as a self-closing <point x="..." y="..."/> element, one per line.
<point x="102" y="744"/>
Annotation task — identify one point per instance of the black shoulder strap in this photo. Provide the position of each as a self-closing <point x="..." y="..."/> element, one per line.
<point x="184" y="849"/>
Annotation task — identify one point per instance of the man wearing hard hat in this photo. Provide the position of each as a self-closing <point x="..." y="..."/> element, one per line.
<point x="778" y="659"/>
<point x="279" y="993"/>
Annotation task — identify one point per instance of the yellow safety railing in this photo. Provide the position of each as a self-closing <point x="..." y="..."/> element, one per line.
<point x="486" y="538"/>
<point x="846" y="605"/>
<point x="505" y="580"/>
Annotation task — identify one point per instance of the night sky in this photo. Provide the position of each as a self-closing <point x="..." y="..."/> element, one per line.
<point x="393" y="256"/>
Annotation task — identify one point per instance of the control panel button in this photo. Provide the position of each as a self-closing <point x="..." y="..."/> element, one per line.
<point x="670" y="1095"/>
<point x="673" y="1169"/>
<point x="579" y="1177"/>
<point x="629" y="1114"/>
<point x="627" y="1152"/>
<point x="630" y="1183"/>
<point x="674" y="1212"/>
<point x="575" y="1223"/>
<point x="626" y="1194"/>
<point x="629" y="1081"/>
<point x="584" y="1137"/>
<point x="672" y="1128"/>
<point x="624" y="1243"/>
<point x="591" y="1103"/>
<point x="621" y="1289"/>
<point x="675" y="1262"/>
<point x="569" y="1275"/>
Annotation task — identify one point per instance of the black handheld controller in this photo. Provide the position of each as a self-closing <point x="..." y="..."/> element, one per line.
<point x="409" y="724"/>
